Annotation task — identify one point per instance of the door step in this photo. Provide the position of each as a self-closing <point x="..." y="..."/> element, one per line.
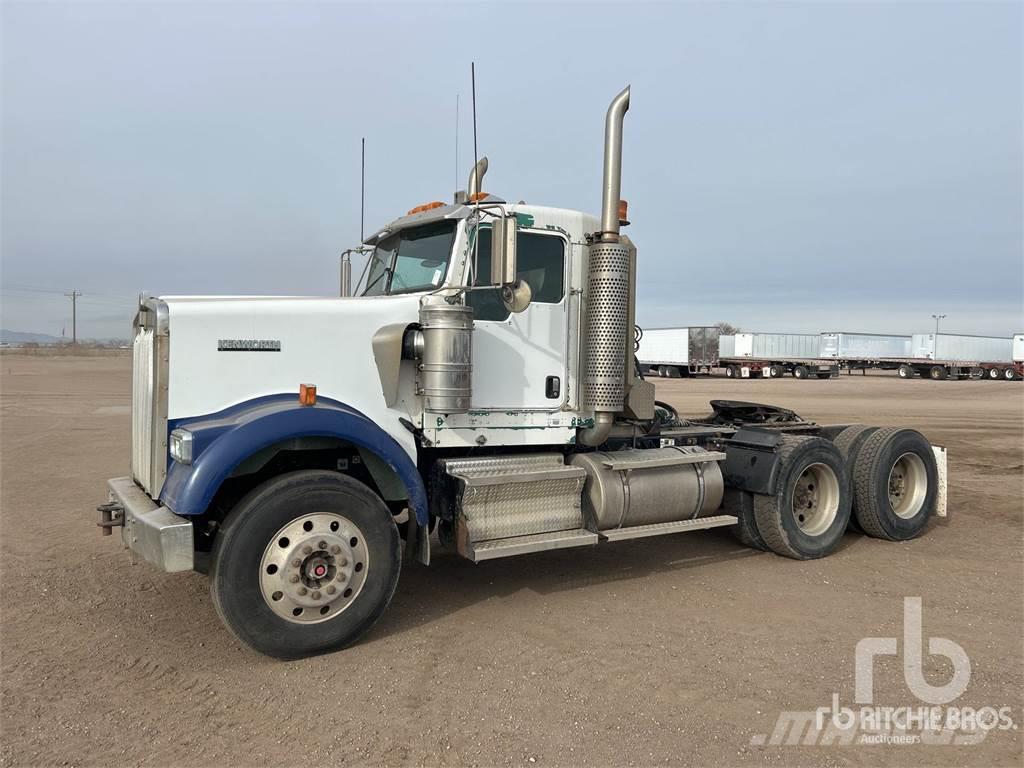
<point x="521" y="545"/>
<point x="659" y="529"/>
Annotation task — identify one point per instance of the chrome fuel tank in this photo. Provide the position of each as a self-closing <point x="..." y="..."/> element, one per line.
<point x="635" y="487"/>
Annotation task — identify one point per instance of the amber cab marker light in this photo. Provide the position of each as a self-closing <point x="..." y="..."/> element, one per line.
<point x="307" y="394"/>
<point x="623" y="213"/>
<point x="425" y="207"/>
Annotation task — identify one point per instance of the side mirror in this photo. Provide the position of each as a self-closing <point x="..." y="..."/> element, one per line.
<point x="503" y="250"/>
<point x="515" y="293"/>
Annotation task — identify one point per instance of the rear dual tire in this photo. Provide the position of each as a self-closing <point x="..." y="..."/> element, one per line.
<point x="807" y="515"/>
<point x="895" y="484"/>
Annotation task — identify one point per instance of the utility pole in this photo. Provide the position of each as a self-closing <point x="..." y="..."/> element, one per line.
<point x="935" y="346"/>
<point x="74" y="319"/>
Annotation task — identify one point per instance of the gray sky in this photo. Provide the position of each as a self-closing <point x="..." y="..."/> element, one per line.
<point x="789" y="167"/>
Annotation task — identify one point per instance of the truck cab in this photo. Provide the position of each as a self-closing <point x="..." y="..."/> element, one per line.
<point x="478" y="391"/>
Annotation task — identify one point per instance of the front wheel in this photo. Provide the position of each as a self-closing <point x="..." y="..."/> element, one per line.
<point x="305" y="564"/>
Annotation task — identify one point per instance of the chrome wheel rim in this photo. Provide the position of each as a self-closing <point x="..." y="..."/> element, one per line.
<point x="908" y="485"/>
<point x="314" y="568"/>
<point x="816" y="499"/>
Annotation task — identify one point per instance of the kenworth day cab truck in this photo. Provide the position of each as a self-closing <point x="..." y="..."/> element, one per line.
<point x="482" y="385"/>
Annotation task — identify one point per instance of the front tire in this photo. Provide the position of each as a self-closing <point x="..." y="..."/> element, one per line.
<point x="305" y="564"/>
<point x="807" y="515"/>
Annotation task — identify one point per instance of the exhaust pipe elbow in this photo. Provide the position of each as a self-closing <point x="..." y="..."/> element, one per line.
<point x="476" y="177"/>
<point x="597" y="434"/>
<point x="612" y="188"/>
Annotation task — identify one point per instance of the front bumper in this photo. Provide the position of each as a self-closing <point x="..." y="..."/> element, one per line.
<point x="151" y="531"/>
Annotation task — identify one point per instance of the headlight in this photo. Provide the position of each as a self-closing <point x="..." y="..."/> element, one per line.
<point x="181" y="446"/>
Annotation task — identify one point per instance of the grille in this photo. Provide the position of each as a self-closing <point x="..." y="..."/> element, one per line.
<point x="143" y="403"/>
<point x="607" y="317"/>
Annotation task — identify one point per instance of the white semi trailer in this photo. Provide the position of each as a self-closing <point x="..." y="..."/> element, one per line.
<point x="482" y="385"/>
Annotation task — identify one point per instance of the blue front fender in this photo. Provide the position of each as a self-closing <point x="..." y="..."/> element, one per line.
<point x="223" y="440"/>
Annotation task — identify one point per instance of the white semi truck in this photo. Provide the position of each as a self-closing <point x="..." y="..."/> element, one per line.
<point x="480" y="393"/>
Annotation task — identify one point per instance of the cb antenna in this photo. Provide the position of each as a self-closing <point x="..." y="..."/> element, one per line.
<point x="472" y="77"/>
<point x="362" y="191"/>
<point x="456" y="141"/>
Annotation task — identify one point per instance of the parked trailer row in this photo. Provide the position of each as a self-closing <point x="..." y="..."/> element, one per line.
<point x="687" y="351"/>
<point x="675" y="352"/>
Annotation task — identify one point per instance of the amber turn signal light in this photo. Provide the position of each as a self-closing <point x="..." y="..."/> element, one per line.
<point x="307" y="394"/>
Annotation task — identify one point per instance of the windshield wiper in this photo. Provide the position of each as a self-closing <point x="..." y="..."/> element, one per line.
<point x="387" y="271"/>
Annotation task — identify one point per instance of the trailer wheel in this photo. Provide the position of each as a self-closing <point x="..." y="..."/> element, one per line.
<point x="741" y="504"/>
<point x="731" y="372"/>
<point x="305" y="564"/>
<point x="801" y="372"/>
<point x="1010" y="374"/>
<point x="895" y="482"/>
<point x="671" y="372"/>
<point x="993" y="373"/>
<point x="938" y="372"/>
<point x="808" y="513"/>
<point x="849" y="443"/>
<point x="905" y="371"/>
<point x="775" y="371"/>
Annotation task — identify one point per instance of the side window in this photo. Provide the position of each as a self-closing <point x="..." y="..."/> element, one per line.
<point x="540" y="261"/>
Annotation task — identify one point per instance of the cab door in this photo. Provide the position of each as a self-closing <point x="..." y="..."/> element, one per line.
<point x="519" y="360"/>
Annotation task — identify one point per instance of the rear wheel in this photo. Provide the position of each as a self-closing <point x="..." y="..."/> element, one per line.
<point x="801" y="372"/>
<point x="775" y="371"/>
<point x="993" y="373"/>
<point x="938" y="372"/>
<point x="305" y="564"/>
<point x="905" y="372"/>
<point x="849" y="443"/>
<point x="895" y="482"/>
<point x="731" y="371"/>
<point x="1010" y="374"/>
<point x="808" y="513"/>
<point x="671" y="372"/>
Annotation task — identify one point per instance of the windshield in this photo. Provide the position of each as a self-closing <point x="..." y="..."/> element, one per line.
<point x="413" y="259"/>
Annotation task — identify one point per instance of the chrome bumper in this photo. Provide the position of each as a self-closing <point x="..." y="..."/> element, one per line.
<point x="151" y="531"/>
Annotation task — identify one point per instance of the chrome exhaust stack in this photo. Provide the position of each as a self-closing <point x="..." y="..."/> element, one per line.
<point x="608" y="295"/>
<point x="476" y="178"/>
<point x="611" y="189"/>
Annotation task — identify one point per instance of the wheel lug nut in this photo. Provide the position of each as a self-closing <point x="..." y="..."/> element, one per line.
<point x="306" y="550"/>
<point x="335" y="549"/>
<point x="331" y="590"/>
<point x="322" y="545"/>
<point x="303" y="590"/>
<point x="341" y="577"/>
<point x="343" y="561"/>
<point x="295" y="578"/>
<point x="315" y="595"/>
<point x="296" y="562"/>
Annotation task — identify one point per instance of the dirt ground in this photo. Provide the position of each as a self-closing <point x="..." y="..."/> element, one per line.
<point x="679" y="650"/>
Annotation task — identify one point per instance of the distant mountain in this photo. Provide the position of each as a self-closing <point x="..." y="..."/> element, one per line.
<point x="20" y="337"/>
